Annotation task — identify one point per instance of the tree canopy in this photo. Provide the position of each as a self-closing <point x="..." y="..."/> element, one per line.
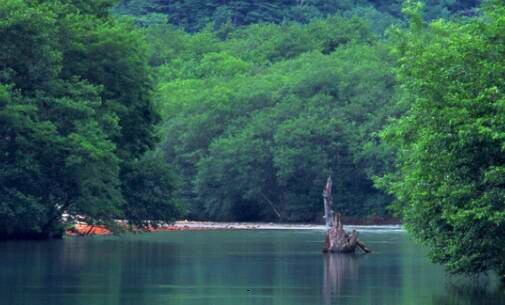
<point x="256" y="120"/>
<point x="75" y="110"/>
<point x="194" y="15"/>
<point x="255" y="104"/>
<point x="449" y="182"/>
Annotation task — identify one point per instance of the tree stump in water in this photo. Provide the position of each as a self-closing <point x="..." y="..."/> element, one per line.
<point x="337" y="239"/>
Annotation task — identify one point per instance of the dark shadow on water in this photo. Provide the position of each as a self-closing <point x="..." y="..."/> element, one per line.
<point x="471" y="291"/>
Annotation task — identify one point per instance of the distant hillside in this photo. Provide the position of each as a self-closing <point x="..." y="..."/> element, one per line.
<point x="194" y="15"/>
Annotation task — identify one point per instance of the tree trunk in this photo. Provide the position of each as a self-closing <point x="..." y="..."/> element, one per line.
<point x="328" y="201"/>
<point x="337" y="239"/>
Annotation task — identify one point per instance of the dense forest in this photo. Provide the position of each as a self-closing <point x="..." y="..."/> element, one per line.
<point x="449" y="178"/>
<point x="254" y="123"/>
<point x="195" y="15"/>
<point x="260" y="108"/>
<point x="76" y="121"/>
<point x="149" y="111"/>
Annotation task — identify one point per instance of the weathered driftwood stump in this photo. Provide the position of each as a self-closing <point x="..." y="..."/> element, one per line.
<point x="337" y="239"/>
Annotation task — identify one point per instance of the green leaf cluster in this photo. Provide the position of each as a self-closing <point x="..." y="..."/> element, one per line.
<point x="449" y="181"/>
<point x="256" y="120"/>
<point x="195" y="15"/>
<point x="75" y="110"/>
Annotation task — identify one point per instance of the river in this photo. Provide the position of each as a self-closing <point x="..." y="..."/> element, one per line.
<point x="274" y="267"/>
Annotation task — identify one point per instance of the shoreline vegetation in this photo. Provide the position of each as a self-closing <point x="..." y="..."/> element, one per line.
<point x="83" y="229"/>
<point x="129" y="116"/>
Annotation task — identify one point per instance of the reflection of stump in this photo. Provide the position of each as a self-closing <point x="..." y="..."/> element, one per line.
<point x="337" y="239"/>
<point x="339" y="270"/>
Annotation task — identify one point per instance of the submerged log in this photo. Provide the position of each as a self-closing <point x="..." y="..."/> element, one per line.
<point x="337" y="239"/>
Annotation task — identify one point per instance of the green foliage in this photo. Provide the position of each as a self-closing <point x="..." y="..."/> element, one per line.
<point x="195" y="15"/>
<point x="148" y="188"/>
<point x="75" y="108"/>
<point x="449" y="182"/>
<point x="256" y="122"/>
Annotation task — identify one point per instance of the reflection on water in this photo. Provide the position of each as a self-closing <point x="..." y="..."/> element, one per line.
<point x="229" y="268"/>
<point x="338" y="268"/>
<point x="470" y="294"/>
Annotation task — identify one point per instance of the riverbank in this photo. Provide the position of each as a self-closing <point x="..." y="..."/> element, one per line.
<point x="84" y="229"/>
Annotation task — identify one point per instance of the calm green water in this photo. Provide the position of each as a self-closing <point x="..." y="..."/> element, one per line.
<point x="229" y="268"/>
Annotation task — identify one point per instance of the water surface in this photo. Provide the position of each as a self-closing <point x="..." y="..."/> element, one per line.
<point x="278" y="267"/>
